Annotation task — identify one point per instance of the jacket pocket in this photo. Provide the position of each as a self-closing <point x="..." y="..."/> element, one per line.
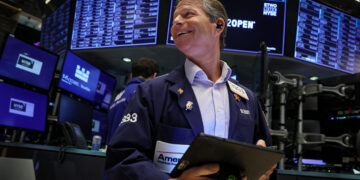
<point x="174" y="135"/>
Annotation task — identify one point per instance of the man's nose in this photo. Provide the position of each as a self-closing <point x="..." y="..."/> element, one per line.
<point x="178" y="20"/>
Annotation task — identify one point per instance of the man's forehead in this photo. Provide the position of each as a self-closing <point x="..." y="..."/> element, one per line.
<point x="189" y="2"/>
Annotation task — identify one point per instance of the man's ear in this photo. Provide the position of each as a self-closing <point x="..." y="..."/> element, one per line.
<point x="130" y="76"/>
<point x="220" y="24"/>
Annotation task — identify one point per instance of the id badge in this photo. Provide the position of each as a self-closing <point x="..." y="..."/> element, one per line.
<point x="167" y="155"/>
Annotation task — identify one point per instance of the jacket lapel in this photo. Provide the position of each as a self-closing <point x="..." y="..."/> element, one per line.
<point x="186" y="99"/>
<point x="234" y="112"/>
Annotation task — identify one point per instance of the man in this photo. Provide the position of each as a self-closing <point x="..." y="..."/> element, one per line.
<point x="141" y="70"/>
<point x="167" y="113"/>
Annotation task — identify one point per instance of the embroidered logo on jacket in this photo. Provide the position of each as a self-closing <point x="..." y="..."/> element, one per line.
<point x="129" y="118"/>
<point x="245" y="111"/>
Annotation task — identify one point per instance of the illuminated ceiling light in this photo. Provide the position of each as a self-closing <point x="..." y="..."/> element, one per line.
<point x="47" y="1"/>
<point x="314" y="78"/>
<point x="126" y="60"/>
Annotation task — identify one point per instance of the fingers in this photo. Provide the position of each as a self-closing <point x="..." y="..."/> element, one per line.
<point x="261" y="143"/>
<point x="263" y="177"/>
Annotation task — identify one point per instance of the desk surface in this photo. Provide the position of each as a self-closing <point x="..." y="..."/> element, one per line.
<point x="53" y="148"/>
<point x="318" y="174"/>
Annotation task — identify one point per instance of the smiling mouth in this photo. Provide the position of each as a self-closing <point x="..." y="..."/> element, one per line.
<point x="182" y="33"/>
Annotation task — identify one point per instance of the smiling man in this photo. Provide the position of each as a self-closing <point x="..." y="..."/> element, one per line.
<point x="166" y="114"/>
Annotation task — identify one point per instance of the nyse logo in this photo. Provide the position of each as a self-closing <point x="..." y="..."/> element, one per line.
<point x="20" y="107"/>
<point x="82" y="73"/>
<point x="101" y="88"/>
<point x="270" y="9"/>
<point x="29" y="64"/>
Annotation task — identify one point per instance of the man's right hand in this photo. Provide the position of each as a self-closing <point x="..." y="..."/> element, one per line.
<point x="199" y="173"/>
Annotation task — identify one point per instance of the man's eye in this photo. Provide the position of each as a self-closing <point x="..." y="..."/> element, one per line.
<point x="188" y="14"/>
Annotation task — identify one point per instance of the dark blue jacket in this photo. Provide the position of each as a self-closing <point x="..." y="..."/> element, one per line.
<point x="157" y="111"/>
<point x="118" y="106"/>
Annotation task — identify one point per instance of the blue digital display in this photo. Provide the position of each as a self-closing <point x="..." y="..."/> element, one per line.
<point x="100" y="124"/>
<point x="114" y="23"/>
<point x="27" y="63"/>
<point x="249" y="24"/>
<point x="79" y="77"/>
<point x="327" y="37"/>
<point x="54" y="29"/>
<point x="104" y="90"/>
<point x="21" y="108"/>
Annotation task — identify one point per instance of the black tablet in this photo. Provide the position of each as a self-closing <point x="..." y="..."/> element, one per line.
<point x="235" y="158"/>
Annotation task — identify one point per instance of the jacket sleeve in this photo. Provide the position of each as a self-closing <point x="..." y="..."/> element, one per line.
<point x="130" y="152"/>
<point x="262" y="130"/>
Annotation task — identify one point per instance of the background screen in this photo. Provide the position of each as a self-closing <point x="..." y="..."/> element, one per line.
<point x="250" y="23"/>
<point x="26" y="63"/>
<point x="54" y="29"/>
<point x="76" y="112"/>
<point x="327" y="37"/>
<point x="22" y="108"/>
<point x="79" y="77"/>
<point x="114" y="24"/>
<point x="104" y="90"/>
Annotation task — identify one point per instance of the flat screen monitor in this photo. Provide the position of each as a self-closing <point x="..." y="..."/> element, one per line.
<point x="104" y="90"/>
<point x="327" y="37"/>
<point x="79" y="77"/>
<point x="80" y="113"/>
<point x="249" y="24"/>
<point x="54" y="29"/>
<point x="27" y="63"/>
<point x="21" y="108"/>
<point x="114" y="24"/>
<point x="99" y="124"/>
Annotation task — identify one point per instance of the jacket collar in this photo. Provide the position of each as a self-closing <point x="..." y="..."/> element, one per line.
<point x="135" y="80"/>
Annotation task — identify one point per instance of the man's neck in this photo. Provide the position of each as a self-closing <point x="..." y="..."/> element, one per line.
<point x="210" y="64"/>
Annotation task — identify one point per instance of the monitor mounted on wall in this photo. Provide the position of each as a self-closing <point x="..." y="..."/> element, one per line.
<point x="327" y="37"/>
<point x="27" y="63"/>
<point x="21" y="108"/>
<point x="104" y="90"/>
<point x="79" y="77"/>
<point x="115" y="24"/>
<point x="250" y="23"/>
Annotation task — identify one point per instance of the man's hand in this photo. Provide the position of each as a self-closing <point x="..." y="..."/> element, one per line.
<point x="199" y="173"/>
<point x="265" y="176"/>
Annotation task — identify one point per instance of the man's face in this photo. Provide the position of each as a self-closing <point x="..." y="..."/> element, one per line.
<point x="192" y="30"/>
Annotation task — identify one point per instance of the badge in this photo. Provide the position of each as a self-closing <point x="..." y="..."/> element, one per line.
<point x="189" y="106"/>
<point x="167" y="155"/>
<point x="238" y="90"/>
<point x="237" y="98"/>
<point x="180" y="91"/>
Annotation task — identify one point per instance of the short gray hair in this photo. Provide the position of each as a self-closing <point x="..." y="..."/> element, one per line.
<point x="215" y="9"/>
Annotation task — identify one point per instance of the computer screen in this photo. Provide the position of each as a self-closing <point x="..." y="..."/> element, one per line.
<point x="114" y="24"/>
<point x="54" y="29"/>
<point x="80" y="113"/>
<point x="327" y="37"/>
<point x="250" y="23"/>
<point x="27" y="63"/>
<point x="21" y="108"/>
<point x="79" y="76"/>
<point x="104" y="90"/>
<point x="99" y="124"/>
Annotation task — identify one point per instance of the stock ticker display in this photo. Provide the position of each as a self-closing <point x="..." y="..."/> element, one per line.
<point x="327" y="37"/>
<point x="114" y="23"/>
<point x="54" y="29"/>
